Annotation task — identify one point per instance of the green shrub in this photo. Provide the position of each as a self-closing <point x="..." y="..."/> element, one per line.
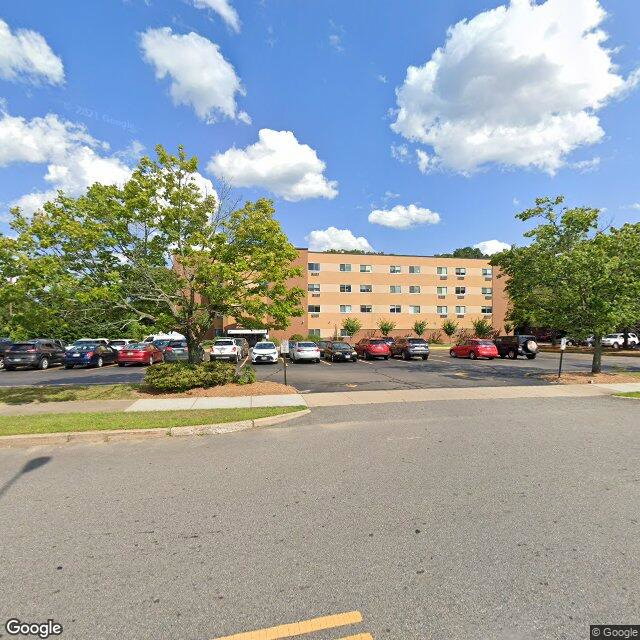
<point x="449" y="327"/>
<point x="482" y="328"/>
<point x="296" y="337"/>
<point x="181" y="376"/>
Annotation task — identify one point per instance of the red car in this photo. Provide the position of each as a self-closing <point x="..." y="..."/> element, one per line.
<point x="475" y="348"/>
<point x="369" y="348"/>
<point x="140" y="353"/>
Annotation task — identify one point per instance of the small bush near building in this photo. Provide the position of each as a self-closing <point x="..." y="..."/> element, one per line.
<point x="296" y="337"/>
<point x="435" y="337"/>
<point x="181" y="376"/>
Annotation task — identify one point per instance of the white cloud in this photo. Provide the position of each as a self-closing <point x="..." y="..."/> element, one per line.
<point x="74" y="159"/>
<point x="489" y="247"/>
<point x="332" y="238"/>
<point x="519" y="85"/>
<point x="277" y="162"/>
<point x="26" y="56"/>
<point x="586" y="166"/>
<point x="200" y="76"/>
<point x="635" y="206"/>
<point x="403" y="217"/>
<point x="382" y="78"/>
<point x="400" y="152"/>
<point x="424" y="160"/>
<point x="224" y="9"/>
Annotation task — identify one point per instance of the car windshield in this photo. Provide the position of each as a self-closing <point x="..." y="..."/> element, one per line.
<point x="138" y="346"/>
<point x="341" y="346"/>
<point x="264" y="346"/>
<point x="611" y="335"/>
<point x="485" y="343"/>
<point x="416" y="341"/>
<point x="86" y="346"/>
<point x="181" y="344"/>
<point x="159" y="343"/>
<point x="23" y="346"/>
<point x="377" y="342"/>
<point x="223" y="343"/>
<point x="118" y="343"/>
<point x="307" y="345"/>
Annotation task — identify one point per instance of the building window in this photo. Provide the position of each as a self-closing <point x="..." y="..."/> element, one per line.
<point x="461" y="291"/>
<point x="442" y="311"/>
<point x="346" y="268"/>
<point x="344" y="333"/>
<point x="395" y="288"/>
<point x="313" y="308"/>
<point x="395" y="308"/>
<point x="461" y="310"/>
<point x="365" y="308"/>
<point x="414" y="288"/>
<point x="442" y="271"/>
<point x="487" y="310"/>
<point x="345" y="288"/>
<point x="414" y="268"/>
<point x="487" y="272"/>
<point x="442" y="291"/>
<point x="365" y="268"/>
<point x="313" y="266"/>
<point x="414" y="308"/>
<point x="366" y="288"/>
<point x="314" y="332"/>
<point x="461" y="271"/>
<point x="487" y="291"/>
<point x="345" y="308"/>
<point x="314" y="288"/>
<point x="395" y="268"/>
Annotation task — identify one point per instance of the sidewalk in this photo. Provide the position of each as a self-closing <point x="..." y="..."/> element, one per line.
<point x="323" y="399"/>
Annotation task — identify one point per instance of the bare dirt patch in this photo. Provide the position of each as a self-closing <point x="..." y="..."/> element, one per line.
<point x="261" y="388"/>
<point x="590" y="378"/>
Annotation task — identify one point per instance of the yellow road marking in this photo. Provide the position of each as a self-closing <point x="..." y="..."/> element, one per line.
<point x="299" y="628"/>
<point x="360" y="636"/>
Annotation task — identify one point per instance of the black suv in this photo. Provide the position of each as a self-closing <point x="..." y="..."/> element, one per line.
<point x="513" y="346"/>
<point x="340" y="352"/>
<point x="410" y="348"/>
<point x="37" y="354"/>
<point x="5" y="343"/>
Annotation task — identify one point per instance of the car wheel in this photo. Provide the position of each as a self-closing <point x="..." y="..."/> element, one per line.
<point x="425" y="357"/>
<point x="366" y="356"/>
<point x="43" y="364"/>
<point x="472" y="355"/>
<point x="386" y="357"/>
<point x="531" y="356"/>
<point x="512" y="355"/>
<point x="406" y="356"/>
<point x="122" y="364"/>
<point x="317" y="360"/>
<point x="99" y="363"/>
<point x="452" y="353"/>
<point x="616" y="345"/>
<point x="1" y="364"/>
<point x="503" y="356"/>
<point x="68" y="366"/>
<point x="8" y="367"/>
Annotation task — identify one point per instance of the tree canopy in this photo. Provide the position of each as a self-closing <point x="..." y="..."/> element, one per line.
<point x="159" y="253"/>
<point x="463" y="252"/>
<point x="573" y="275"/>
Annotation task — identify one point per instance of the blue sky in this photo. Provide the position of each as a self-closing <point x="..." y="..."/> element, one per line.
<point x="519" y="102"/>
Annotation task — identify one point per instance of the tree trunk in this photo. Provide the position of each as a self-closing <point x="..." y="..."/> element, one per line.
<point x="625" y="344"/>
<point x="596" y="365"/>
<point x="192" y="345"/>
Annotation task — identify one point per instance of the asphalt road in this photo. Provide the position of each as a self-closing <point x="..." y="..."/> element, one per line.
<point x="448" y="520"/>
<point x="439" y="371"/>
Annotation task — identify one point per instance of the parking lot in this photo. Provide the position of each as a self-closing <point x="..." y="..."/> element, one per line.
<point x="439" y="371"/>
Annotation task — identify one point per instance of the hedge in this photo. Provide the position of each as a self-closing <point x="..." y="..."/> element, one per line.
<point x="182" y="376"/>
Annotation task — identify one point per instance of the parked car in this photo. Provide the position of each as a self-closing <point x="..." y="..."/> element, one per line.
<point x="225" y="349"/>
<point x="322" y="345"/>
<point x="90" y="354"/>
<point x="299" y="351"/>
<point x="36" y="354"/>
<point x="475" y="348"/>
<point x="162" y="344"/>
<point x="178" y="351"/>
<point x="513" y="346"/>
<point x="409" y="348"/>
<point x="5" y="343"/>
<point x="340" y="352"/>
<point x="140" y="353"/>
<point x="120" y="343"/>
<point x="264" y="352"/>
<point x="616" y="340"/>
<point x="369" y="348"/>
<point x="243" y="347"/>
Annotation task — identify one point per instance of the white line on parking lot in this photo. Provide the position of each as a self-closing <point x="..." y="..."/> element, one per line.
<point x="365" y="361"/>
<point x="325" y="362"/>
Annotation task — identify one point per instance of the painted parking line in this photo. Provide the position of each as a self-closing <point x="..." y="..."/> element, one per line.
<point x="360" y="636"/>
<point x="365" y="361"/>
<point x="299" y="628"/>
<point x="325" y="362"/>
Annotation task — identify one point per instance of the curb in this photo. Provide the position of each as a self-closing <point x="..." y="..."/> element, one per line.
<point x="119" y="435"/>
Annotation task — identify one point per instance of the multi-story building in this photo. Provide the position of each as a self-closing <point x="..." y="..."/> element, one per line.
<point x="401" y="288"/>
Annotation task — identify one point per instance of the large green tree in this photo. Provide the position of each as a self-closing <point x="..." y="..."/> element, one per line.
<point x="160" y="252"/>
<point x="574" y="275"/>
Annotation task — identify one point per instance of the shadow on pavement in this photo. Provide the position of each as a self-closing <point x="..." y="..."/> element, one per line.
<point x="30" y="465"/>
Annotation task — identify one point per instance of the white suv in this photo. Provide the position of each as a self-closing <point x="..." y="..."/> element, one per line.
<point x="616" y="340"/>
<point x="264" y="352"/>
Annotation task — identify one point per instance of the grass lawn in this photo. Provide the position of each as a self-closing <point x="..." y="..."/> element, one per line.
<point x="25" y="395"/>
<point x="629" y="394"/>
<point x="64" y="422"/>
